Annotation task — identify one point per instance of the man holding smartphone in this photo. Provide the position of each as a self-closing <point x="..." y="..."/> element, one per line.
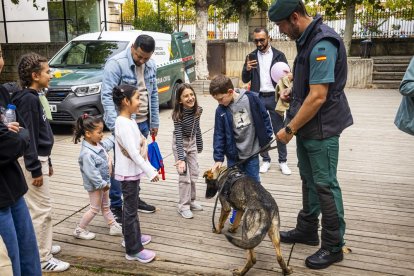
<point x="256" y="69"/>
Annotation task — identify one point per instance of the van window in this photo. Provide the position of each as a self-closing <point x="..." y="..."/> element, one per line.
<point x="87" y="53"/>
<point x="187" y="47"/>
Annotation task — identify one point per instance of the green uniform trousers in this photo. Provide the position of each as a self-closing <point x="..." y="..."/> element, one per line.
<point x="321" y="194"/>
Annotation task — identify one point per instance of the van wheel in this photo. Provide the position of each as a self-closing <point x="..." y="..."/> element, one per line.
<point x="171" y="102"/>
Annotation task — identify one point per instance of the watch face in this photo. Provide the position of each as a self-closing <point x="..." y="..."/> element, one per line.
<point x="288" y="130"/>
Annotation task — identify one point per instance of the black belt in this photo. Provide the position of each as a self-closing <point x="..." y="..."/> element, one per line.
<point x="266" y="94"/>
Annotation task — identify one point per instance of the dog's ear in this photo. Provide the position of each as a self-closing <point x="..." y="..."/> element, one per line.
<point x="207" y="174"/>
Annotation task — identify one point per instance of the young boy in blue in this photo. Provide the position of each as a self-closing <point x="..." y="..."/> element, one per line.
<point x="242" y="126"/>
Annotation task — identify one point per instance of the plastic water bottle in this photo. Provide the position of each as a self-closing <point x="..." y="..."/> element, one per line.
<point x="10" y="114"/>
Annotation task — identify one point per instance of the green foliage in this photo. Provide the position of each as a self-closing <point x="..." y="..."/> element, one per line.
<point x="151" y="22"/>
<point x="333" y="7"/>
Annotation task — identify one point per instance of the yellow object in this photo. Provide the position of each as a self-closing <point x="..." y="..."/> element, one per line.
<point x="321" y="58"/>
<point x="282" y="106"/>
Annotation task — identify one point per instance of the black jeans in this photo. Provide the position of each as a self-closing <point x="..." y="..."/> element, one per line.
<point x="130" y="220"/>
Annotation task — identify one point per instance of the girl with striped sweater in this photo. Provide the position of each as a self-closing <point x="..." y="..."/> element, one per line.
<point x="187" y="143"/>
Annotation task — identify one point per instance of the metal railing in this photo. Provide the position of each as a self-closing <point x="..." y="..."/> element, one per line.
<point x="384" y="24"/>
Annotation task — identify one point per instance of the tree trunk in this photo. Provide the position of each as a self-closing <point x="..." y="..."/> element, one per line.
<point x="349" y="27"/>
<point x="243" y="25"/>
<point x="201" y="39"/>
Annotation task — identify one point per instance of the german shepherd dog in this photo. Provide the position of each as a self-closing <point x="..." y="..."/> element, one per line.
<point x="255" y="207"/>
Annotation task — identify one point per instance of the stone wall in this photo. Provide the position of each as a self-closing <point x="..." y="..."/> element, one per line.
<point x="359" y="70"/>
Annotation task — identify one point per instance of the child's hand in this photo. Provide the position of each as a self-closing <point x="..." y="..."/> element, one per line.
<point x="38" y="181"/>
<point x="216" y="166"/>
<point x="155" y="179"/>
<point x="180" y="165"/>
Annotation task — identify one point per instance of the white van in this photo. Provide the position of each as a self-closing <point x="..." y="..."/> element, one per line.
<point x="78" y="68"/>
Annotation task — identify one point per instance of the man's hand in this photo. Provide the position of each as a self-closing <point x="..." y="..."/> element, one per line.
<point x="251" y="64"/>
<point x="216" y="166"/>
<point x="155" y="179"/>
<point x="283" y="137"/>
<point x="50" y="171"/>
<point x="13" y="126"/>
<point x="38" y="181"/>
<point x="105" y="188"/>
<point x="154" y="131"/>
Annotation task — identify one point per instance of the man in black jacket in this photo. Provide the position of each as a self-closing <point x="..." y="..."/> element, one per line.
<point x="16" y="228"/>
<point x="256" y="69"/>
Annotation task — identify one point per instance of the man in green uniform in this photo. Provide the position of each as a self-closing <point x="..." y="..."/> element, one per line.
<point x="318" y="113"/>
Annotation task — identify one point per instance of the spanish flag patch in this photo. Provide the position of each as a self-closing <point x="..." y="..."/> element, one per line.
<point x="320" y="58"/>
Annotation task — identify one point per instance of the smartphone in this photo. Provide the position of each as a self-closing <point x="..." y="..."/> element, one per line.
<point x="252" y="56"/>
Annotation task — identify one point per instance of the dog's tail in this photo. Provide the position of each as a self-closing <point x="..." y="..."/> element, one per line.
<point x="250" y="219"/>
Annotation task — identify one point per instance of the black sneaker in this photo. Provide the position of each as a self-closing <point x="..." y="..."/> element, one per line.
<point x="295" y="236"/>
<point x="117" y="212"/>
<point x="323" y="258"/>
<point x="144" y="207"/>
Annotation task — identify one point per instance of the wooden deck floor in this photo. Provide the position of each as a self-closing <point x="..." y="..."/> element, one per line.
<point x="376" y="173"/>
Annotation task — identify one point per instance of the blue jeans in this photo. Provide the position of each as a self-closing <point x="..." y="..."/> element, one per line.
<point x="250" y="167"/>
<point x="18" y="234"/>
<point x="115" y="192"/>
<point x="277" y="124"/>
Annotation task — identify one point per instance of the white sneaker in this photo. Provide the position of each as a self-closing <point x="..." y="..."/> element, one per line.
<point x="83" y="234"/>
<point x="115" y="229"/>
<point x="194" y="206"/>
<point x="264" y="167"/>
<point x="55" y="249"/>
<point x="187" y="214"/>
<point x="284" y="168"/>
<point x="54" y="265"/>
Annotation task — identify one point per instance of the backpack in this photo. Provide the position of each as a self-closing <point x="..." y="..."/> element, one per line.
<point x="155" y="157"/>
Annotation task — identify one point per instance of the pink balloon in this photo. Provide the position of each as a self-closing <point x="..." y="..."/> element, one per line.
<point x="279" y="70"/>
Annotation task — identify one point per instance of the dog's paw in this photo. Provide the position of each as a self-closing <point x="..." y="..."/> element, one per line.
<point x="216" y="231"/>
<point x="232" y="230"/>
<point x="236" y="272"/>
<point x="288" y="271"/>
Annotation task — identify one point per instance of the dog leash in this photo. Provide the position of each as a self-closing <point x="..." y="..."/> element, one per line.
<point x="263" y="149"/>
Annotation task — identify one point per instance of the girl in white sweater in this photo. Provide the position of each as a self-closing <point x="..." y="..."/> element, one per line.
<point x="130" y="165"/>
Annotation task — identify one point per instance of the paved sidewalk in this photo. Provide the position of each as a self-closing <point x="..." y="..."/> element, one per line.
<point x="376" y="174"/>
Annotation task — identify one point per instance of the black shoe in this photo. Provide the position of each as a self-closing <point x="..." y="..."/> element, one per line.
<point x="145" y="208"/>
<point x="294" y="236"/>
<point x="323" y="258"/>
<point x="117" y="212"/>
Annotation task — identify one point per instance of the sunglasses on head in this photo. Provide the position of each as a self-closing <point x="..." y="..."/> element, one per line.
<point x="261" y="40"/>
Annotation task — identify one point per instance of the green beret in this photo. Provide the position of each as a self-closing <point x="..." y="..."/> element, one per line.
<point x="281" y="9"/>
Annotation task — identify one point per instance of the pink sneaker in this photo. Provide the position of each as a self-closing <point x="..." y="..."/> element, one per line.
<point x="145" y="239"/>
<point x="145" y="256"/>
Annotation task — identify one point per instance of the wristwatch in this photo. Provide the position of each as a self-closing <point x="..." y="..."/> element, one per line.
<point x="289" y="130"/>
